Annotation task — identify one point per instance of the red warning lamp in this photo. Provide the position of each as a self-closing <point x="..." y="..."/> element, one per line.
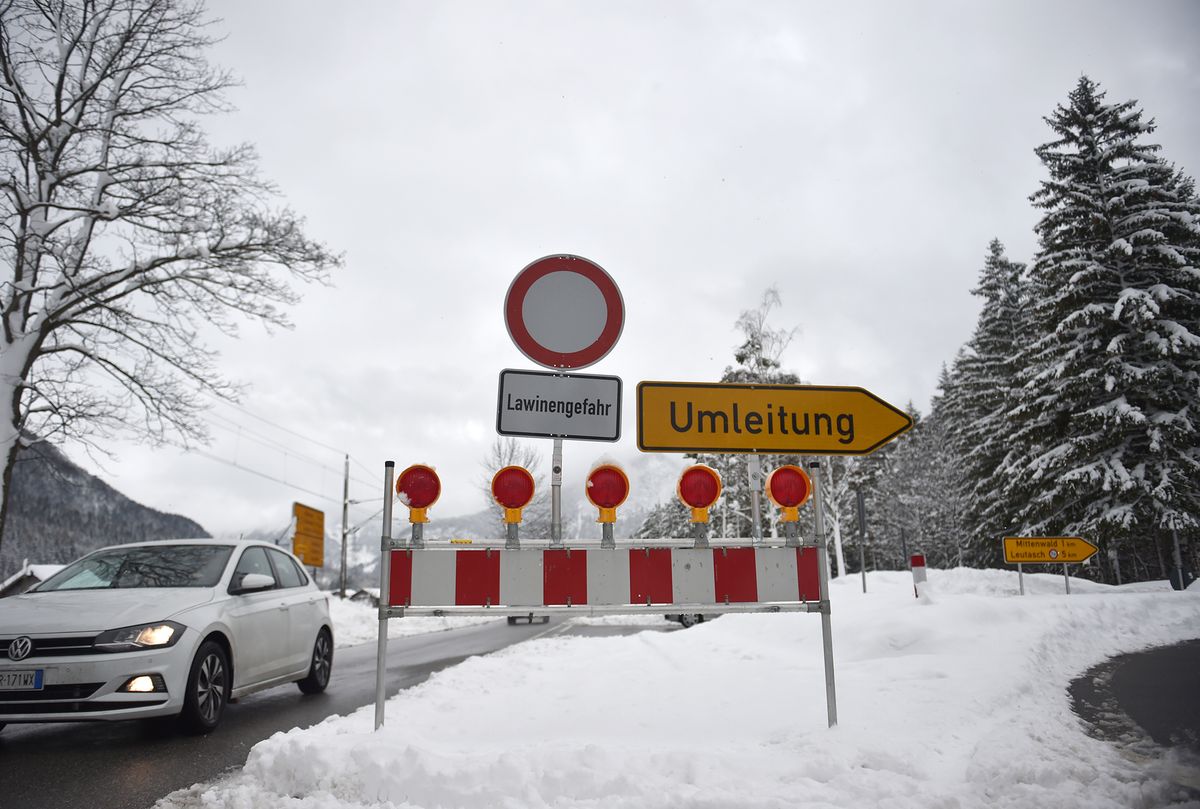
<point x="789" y="487"/>
<point x="418" y="487"/>
<point x="512" y="487"/>
<point x="607" y="487"/>
<point x="699" y="488"/>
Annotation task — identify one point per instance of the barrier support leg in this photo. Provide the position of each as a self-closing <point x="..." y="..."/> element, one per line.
<point x="823" y="580"/>
<point x="385" y="571"/>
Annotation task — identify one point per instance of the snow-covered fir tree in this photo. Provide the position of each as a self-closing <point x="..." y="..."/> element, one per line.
<point x="937" y="477"/>
<point x="872" y="475"/>
<point x="977" y="398"/>
<point x="898" y="481"/>
<point x="1107" y="445"/>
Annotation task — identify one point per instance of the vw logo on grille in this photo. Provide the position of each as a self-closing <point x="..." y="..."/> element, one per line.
<point x="20" y="648"/>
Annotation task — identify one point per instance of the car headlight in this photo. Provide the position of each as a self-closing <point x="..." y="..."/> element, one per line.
<point x="143" y="636"/>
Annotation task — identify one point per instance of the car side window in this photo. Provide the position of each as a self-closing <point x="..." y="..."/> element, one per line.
<point x="304" y="577"/>
<point x="289" y="576"/>
<point x="254" y="560"/>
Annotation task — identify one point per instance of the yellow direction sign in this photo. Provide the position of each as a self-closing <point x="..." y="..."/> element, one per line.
<point x="308" y="543"/>
<point x="1047" y="550"/>
<point x="735" y="418"/>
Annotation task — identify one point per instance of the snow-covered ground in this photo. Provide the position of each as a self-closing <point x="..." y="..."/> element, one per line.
<point x="955" y="700"/>
<point x="356" y="622"/>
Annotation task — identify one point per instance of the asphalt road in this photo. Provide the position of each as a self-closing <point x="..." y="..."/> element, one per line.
<point x="1151" y="696"/>
<point x="127" y="765"/>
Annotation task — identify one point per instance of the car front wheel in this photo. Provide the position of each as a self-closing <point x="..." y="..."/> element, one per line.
<point x="687" y="620"/>
<point x="321" y="666"/>
<point x="207" y="689"/>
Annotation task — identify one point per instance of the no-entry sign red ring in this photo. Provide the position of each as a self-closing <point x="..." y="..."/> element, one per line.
<point x="574" y="321"/>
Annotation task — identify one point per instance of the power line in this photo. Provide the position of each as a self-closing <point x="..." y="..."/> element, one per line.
<point x="226" y="423"/>
<point x="264" y="475"/>
<point x="272" y="443"/>
<point x="363" y="466"/>
<point x="267" y="421"/>
<point x="264" y="440"/>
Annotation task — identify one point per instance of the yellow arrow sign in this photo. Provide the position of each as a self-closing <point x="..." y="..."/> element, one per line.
<point x="735" y="418"/>
<point x="1047" y="550"/>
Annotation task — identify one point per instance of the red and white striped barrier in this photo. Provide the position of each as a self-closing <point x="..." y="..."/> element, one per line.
<point x="708" y="579"/>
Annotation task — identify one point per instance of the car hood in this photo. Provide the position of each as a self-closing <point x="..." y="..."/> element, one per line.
<point x="70" y="611"/>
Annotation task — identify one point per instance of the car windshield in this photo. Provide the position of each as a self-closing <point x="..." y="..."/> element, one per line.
<point x="143" y="566"/>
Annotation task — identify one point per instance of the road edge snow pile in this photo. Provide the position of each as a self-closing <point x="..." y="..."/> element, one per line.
<point x="955" y="700"/>
<point x="355" y="623"/>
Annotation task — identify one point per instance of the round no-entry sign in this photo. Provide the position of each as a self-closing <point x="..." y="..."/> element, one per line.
<point x="564" y="311"/>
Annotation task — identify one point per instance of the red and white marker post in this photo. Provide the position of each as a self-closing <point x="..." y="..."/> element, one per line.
<point x="917" y="562"/>
<point x="607" y="487"/>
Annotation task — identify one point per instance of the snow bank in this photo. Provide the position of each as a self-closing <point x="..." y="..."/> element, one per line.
<point x="356" y="622"/>
<point x="954" y="701"/>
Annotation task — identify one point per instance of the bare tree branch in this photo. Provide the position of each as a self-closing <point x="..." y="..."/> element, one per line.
<point x="124" y="235"/>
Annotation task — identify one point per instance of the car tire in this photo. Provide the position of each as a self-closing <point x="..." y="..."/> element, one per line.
<point x="321" y="667"/>
<point x="512" y="620"/>
<point x="208" y="686"/>
<point x="687" y="619"/>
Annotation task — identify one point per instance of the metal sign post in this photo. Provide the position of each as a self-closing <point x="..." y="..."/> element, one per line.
<point x="385" y="569"/>
<point x="754" y="473"/>
<point x="556" y="494"/>
<point x="862" y="536"/>
<point x="1021" y="577"/>
<point x="823" y="573"/>
<point x="1067" y="579"/>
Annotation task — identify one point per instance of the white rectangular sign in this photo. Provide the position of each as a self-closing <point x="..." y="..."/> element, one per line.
<point x="549" y="405"/>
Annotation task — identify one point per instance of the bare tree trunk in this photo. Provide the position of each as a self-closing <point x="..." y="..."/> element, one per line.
<point x="15" y="359"/>
<point x="8" y="448"/>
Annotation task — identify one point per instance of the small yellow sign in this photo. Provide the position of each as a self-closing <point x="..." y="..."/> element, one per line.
<point x="737" y="418"/>
<point x="308" y="542"/>
<point x="1047" y="550"/>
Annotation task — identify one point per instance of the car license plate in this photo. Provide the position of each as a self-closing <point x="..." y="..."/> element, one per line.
<point x="27" y="680"/>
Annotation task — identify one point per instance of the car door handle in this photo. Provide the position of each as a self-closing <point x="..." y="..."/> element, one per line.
<point x="283" y="605"/>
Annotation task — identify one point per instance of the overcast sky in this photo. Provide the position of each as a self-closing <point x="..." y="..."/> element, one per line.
<point x="858" y="156"/>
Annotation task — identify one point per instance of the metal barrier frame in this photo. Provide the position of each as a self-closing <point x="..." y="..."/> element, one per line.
<point x="388" y="612"/>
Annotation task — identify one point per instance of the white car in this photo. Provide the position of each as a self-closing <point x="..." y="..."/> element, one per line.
<point x="162" y="628"/>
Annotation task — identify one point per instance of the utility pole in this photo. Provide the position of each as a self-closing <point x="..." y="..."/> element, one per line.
<point x="345" y="524"/>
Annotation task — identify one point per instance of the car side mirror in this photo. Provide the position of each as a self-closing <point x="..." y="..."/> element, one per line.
<point x="253" y="582"/>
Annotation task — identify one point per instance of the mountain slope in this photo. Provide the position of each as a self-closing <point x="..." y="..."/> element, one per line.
<point x="57" y="512"/>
